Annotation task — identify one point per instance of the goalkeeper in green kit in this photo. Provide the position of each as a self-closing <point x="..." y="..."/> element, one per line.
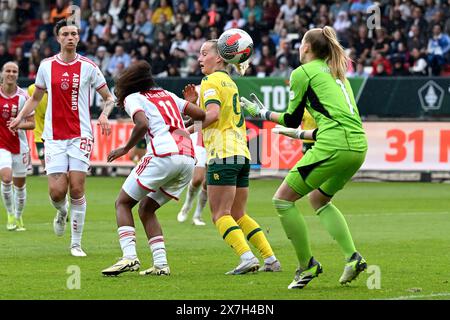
<point x="320" y="86"/>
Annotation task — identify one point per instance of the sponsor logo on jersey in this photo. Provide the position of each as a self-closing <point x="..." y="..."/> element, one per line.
<point x="75" y="85"/>
<point x="209" y="92"/>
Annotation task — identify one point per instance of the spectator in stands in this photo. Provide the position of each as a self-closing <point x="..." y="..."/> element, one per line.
<point x="179" y="47"/>
<point x="183" y="11"/>
<point x="164" y="25"/>
<point x="143" y="26"/>
<point x="418" y="63"/>
<point x="94" y="28"/>
<point x="253" y="28"/>
<point x="288" y="10"/>
<point x="254" y="9"/>
<point x="163" y="10"/>
<point x="381" y="44"/>
<point x="268" y="59"/>
<point x="159" y="62"/>
<point x="194" y="68"/>
<point x="438" y="49"/>
<point x="270" y="13"/>
<point x="143" y="53"/>
<point x="119" y="56"/>
<point x="41" y="42"/>
<point x="145" y="9"/>
<point x="398" y="67"/>
<point x="35" y="58"/>
<point x="430" y="9"/>
<point x="32" y="70"/>
<point x="417" y="19"/>
<point x="99" y="11"/>
<point x="4" y="55"/>
<point x="129" y="23"/>
<point x="360" y="6"/>
<point x="362" y="45"/>
<point x="109" y="29"/>
<point x="116" y="10"/>
<point x="359" y="70"/>
<point x="85" y="13"/>
<point x="342" y="26"/>
<point x="21" y="61"/>
<point x="60" y="11"/>
<point x="283" y="70"/>
<point x="163" y="43"/>
<point x="396" y="23"/>
<point x="416" y="39"/>
<point x="8" y="23"/>
<point x="236" y="21"/>
<point x="338" y="6"/>
<point x="196" y="42"/>
<point x="180" y="26"/>
<point x="197" y="13"/>
<point x="305" y="12"/>
<point x="46" y="25"/>
<point x="102" y="58"/>
<point x="381" y="66"/>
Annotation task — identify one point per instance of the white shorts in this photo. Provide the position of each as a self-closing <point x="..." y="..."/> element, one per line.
<point x="161" y="179"/>
<point x="62" y="156"/>
<point x="17" y="162"/>
<point x="200" y="151"/>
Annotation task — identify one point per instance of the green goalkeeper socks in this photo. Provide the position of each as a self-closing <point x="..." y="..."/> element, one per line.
<point x="294" y="226"/>
<point x="333" y="220"/>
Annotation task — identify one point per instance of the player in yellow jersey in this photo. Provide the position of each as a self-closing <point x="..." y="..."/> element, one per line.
<point x="225" y="139"/>
<point x="39" y="117"/>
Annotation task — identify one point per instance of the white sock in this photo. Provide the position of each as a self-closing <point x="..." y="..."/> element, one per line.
<point x="270" y="260"/>
<point x="158" y="250"/>
<point x="247" y="255"/>
<point x="61" y="206"/>
<point x="6" y="190"/>
<point x="190" y="196"/>
<point x="127" y="239"/>
<point x="20" y="196"/>
<point x="77" y="216"/>
<point x="201" y="203"/>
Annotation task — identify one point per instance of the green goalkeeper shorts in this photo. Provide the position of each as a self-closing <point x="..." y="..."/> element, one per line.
<point x="326" y="171"/>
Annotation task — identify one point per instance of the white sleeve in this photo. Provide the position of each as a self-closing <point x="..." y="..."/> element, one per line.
<point x="98" y="79"/>
<point x="133" y="104"/>
<point x="181" y="103"/>
<point x="40" y="77"/>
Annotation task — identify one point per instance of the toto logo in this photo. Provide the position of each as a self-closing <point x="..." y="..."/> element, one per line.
<point x="431" y="96"/>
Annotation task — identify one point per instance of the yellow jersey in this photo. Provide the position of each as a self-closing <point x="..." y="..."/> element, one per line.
<point x="39" y="115"/>
<point x="228" y="135"/>
<point x="308" y="123"/>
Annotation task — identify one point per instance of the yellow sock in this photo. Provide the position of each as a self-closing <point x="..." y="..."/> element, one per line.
<point x="255" y="235"/>
<point x="232" y="234"/>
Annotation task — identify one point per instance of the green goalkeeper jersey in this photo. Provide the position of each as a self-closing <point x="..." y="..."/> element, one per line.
<point x="330" y="102"/>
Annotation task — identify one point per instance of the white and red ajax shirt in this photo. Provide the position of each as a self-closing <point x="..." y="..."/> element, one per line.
<point x="69" y="88"/>
<point x="166" y="134"/>
<point x="10" y="107"/>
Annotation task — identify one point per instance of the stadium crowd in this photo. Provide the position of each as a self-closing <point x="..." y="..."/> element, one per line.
<point x="413" y="38"/>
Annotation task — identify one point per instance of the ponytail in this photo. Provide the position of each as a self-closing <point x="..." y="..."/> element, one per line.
<point x="337" y="59"/>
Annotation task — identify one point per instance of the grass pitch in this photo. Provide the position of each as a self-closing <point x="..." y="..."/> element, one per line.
<point x="402" y="229"/>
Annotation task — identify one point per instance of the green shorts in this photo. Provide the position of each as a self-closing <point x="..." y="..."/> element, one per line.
<point x="326" y="171"/>
<point x="40" y="150"/>
<point x="231" y="171"/>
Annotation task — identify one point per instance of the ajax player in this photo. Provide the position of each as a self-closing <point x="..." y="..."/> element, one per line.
<point x="14" y="151"/>
<point x="162" y="173"/>
<point x="68" y="138"/>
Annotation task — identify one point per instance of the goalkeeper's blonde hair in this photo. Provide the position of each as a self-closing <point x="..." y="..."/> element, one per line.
<point x="239" y="67"/>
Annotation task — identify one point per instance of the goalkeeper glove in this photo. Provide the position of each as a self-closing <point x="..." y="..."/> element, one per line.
<point x="255" y="108"/>
<point x="289" y="132"/>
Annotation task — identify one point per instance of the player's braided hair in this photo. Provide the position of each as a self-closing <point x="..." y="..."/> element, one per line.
<point x="136" y="78"/>
<point x="325" y="45"/>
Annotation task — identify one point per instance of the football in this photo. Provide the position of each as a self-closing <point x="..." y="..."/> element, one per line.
<point x="235" y="46"/>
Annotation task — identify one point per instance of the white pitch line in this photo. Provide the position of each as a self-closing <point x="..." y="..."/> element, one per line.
<point x="422" y="296"/>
